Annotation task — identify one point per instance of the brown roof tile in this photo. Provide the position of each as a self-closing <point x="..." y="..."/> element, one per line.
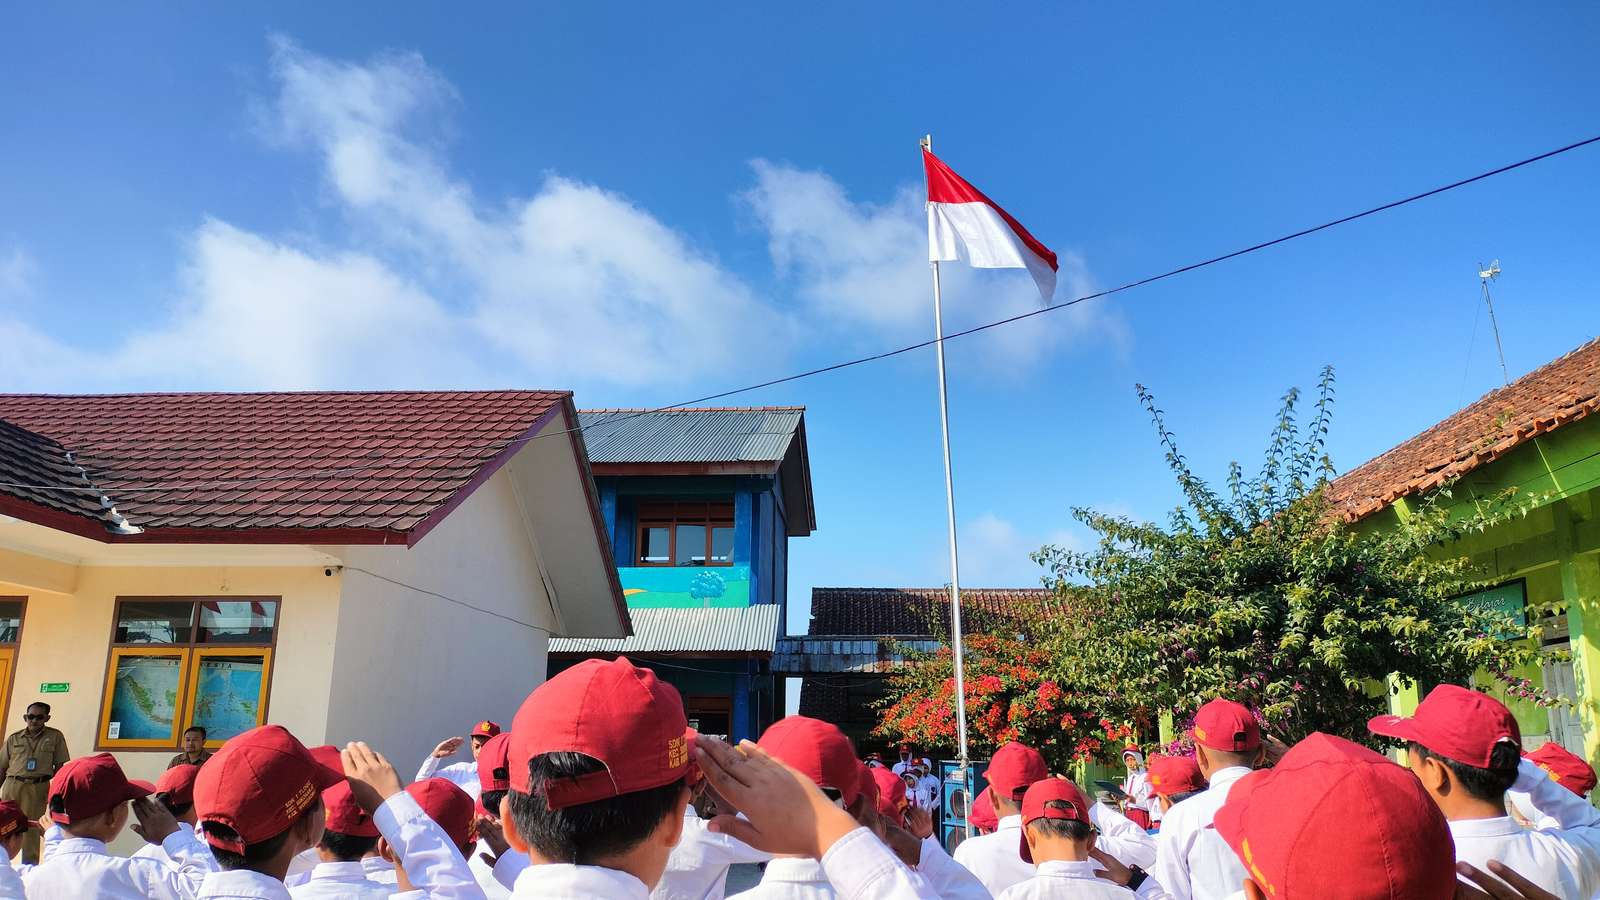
<point x="1559" y="392"/>
<point x="376" y="461"/>
<point x="910" y="612"/>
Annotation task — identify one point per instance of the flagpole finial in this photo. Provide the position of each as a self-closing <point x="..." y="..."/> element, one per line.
<point x="927" y="142"/>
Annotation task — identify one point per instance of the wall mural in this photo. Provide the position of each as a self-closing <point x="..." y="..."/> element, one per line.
<point x="657" y="587"/>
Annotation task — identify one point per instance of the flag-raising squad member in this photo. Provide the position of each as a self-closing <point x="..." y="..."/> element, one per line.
<point x="462" y="774"/>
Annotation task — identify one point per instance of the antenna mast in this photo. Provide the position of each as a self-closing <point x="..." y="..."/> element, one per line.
<point x="1486" y="275"/>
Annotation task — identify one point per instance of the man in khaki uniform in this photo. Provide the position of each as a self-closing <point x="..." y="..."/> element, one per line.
<point x="29" y="758"/>
<point x="194" y="748"/>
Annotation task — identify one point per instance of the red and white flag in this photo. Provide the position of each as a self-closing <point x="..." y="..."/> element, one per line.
<point x="963" y="224"/>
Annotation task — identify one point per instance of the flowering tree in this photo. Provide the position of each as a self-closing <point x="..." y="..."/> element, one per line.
<point x="1260" y="594"/>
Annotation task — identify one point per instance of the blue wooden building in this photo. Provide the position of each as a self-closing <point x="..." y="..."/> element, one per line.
<point x="699" y="505"/>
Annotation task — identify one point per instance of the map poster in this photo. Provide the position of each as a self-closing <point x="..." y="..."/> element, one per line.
<point x="145" y="699"/>
<point x="227" y="699"/>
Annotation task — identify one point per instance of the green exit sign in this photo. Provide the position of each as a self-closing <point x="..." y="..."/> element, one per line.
<point x="55" y="687"/>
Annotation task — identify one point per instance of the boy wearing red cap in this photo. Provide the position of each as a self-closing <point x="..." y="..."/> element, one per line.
<point x="1466" y="749"/>
<point x="1192" y="863"/>
<point x="980" y="816"/>
<point x="1057" y="838"/>
<point x="494" y="779"/>
<point x="14" y="825"/>
<point x="463" y="774"/>
<point x="1174" y="779"/>
<point x="993" y="857"/>
<point x="89" y="798"/>
<point x="1336" y="821"/>
<point x="175" y="790"/>
<point x="348" y="836"/>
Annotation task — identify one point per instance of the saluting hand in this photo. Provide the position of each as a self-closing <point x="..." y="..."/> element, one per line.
<point x="786" y="812"/>
<point x="1515" y="887"/>
<point x="372" y="779"/>
<point x="492" y="834"/>
<point x="155" y="820"/>
<point x="448" y="747"/>
<point x="919" y="822"/>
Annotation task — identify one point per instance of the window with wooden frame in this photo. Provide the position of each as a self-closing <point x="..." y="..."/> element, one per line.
<point x="685" y="534"/>
<point x="11" y="612"/>
<point x="182" y="661"/>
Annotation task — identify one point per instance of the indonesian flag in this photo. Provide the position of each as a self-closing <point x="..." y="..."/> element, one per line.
<point x="963" y="224"/>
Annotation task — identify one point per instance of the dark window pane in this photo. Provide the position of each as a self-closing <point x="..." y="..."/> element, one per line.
<point x="228" y="694"/>
<point x="722" y="545"/>
<point x="10" y="621"/>
<point x="237" y="621"/>
<point x="654" y="545"/>
<point x="691" y="549"/>
<point x="155" y="622"/>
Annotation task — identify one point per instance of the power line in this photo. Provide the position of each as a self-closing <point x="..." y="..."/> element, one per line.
<point x="494" y="449"/>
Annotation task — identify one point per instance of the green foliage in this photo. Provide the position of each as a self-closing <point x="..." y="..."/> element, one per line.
<point x="1262" y="594"/>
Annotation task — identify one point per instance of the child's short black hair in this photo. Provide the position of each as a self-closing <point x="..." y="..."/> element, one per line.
<point x="1181" y="796"/>
<point x="583" y="834"/>
<point x="178" y="810"/>
<point x="1071" y="829"/>
<point x="1488" y="784"/>
<point x="346" y="847"/>
<point x="490" y="800"/>
<point x="254" y="855"/>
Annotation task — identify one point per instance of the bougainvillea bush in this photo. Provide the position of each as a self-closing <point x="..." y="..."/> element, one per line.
<point x="1259" y="593"/>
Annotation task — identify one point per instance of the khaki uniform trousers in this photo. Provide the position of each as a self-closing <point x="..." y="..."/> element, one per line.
<point x="30" y="794"/>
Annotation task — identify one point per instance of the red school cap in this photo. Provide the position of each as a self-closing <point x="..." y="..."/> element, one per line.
<point x="1457" y="722"/>
<point x="494" y="764"/>
<point x="612" y="711"/>
<point x="1565" y="768"/>
<point x="866" y="785"/>
<point x="1015" y="768"/>
<point x="88" y="786"/>
<point x="1228" y="726"/>
<point x="1175" y="775"/>
<point x="177" y="783"/>
<point x="12" y="818"/>
<point x="451" y="808"/>
<point x="1035" y="806"/>
<point x="344" y="815"/>
<point x="259" y="783"/>
<point x="486" y="729"/>
<point x="1326" y="793"/>
<point x="819" y="750"/>
<point x="892" y="800"/>
<point x="981" y="814"/>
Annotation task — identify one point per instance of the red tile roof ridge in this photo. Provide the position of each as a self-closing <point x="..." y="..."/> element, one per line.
<point x="407" y="392"/>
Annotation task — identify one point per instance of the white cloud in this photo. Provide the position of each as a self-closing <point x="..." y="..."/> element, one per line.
<point x="17" y="271"/>
<point x="866" y="263"/>
<point x="995" y="552"/>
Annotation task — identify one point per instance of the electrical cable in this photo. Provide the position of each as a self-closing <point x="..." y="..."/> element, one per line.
<point x="887" y="354"/>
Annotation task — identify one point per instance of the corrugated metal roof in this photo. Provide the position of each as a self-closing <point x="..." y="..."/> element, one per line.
<point x="708" y="435"/>
<point x="742" y="629"/>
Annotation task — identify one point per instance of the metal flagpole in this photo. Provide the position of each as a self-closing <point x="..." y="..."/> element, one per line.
<point x="950" y="502"/>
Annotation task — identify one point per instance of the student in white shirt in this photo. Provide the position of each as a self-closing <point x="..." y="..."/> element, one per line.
<point x="929" y="787"/>
<point x="993" y="857"/>
<point x="698" y="866"/>
<point x="1136" y="784"/>
<point x="463" y="774"/>
<point x="1192" y="862"/>
<point x="909" y="758"/>
<point x="348" y="835"/>
<point x="1465" y="748"/>
<point x="428" y="828"/>
<point x="89" y="798"/>
<point x="14" y="825"/>
<point x="1057" y="837"/>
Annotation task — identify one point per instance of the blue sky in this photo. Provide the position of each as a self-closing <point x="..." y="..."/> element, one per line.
<point x="649" y="203"/>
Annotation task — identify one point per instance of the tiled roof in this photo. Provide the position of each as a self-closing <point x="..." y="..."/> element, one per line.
<point x="694" y="434"/>
<point x="751" y="630"/>
<point x="1561" y="391"/>
<point x="41" y="471"/>
<point x="359" y="466"/>
<point x="909" y="612"/>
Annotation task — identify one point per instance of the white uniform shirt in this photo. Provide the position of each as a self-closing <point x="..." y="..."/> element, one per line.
<point x="1193" y="862"/>
<point x="463" y="775"/>
<point x="698" y="866"/>
<point x="433" y="865"/>
<point x="948" y="878"/>
<point x="242" y="884"/>
<point x="496" y="880"/>
<point x="1136" y="785"/>
<point x="340" y="881"/>
<point x="793" y="879"/>
<point x="1562" y="856"/>
<point x="81" y="867"/>
<point x="155" y="852"/>
<point x="996" y="857"/>
<point x="10" y="880"/>
<point x="1062" y="880"/>
<point x="1122" y="838"/>
<point x="928" y="789"/>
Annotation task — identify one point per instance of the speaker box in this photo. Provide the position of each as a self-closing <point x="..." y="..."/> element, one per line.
<point x="952" y="825"/>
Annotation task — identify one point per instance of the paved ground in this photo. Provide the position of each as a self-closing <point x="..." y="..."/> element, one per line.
<point x="743" y="878"/>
